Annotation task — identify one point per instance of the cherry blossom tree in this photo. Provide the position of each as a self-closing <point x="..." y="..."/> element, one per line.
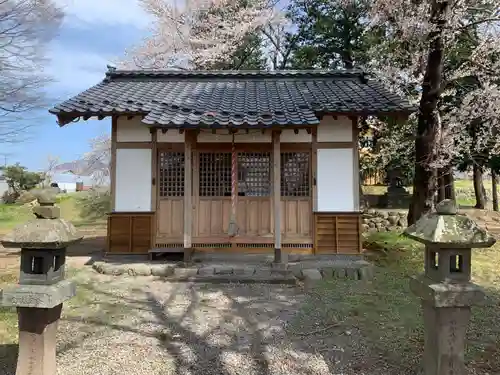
<point x="198" y="33"/>
<point x="429" y="30"/>
<point x="98" y="159"/>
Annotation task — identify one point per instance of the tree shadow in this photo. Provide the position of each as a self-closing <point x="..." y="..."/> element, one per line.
<point x="8" y="358"/>
<point x="248" y="324"/>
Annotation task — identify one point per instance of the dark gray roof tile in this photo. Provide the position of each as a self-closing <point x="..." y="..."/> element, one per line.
<point x="231" y="98"/>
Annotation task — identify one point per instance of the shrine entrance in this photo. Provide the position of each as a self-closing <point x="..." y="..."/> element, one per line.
<point x="212" y="187"/>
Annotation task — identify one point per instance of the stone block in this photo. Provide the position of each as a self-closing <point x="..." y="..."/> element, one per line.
<point x="203" y="271"/>
<point x="244" y="271"/>
<point x="139" y="270"/>
<point x="223" y="270"/>
<point x="328" y="272"/>
<point x="180" y="273"/>
<point x="47" y="212"/>
<point x="340" y="273"/>
<point x="447" y="294"/>
<point x="352" y="273"/>
<point x="162" y="270"/>
<point x="262" y="272"/>
<point x="312" y="274"/>
<point x="39" y="296"/>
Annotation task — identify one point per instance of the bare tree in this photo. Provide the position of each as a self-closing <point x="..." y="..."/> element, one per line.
<point x="26" y="26"/>
<point x="50" y="169"/>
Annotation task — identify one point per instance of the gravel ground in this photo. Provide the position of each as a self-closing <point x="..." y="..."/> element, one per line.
<point x="124" y="325"/>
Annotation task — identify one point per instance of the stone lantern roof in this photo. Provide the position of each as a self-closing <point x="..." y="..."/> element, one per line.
<point x="449" y="229"/>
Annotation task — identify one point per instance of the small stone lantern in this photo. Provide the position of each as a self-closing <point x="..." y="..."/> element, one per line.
<point x="445" y="288"/>
<point x="42" y="288"/>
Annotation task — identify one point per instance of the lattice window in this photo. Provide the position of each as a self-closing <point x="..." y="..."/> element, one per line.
<point x="171" y="179"/>
<point x="254" y="174"/>
<point x="295" y="167"/>
<point x="215" y="174"/>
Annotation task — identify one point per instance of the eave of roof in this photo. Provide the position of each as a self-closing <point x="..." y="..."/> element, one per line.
<point x="222" y="99"/>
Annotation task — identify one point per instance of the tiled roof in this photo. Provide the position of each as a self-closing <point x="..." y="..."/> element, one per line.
<point x="189" y="99"/>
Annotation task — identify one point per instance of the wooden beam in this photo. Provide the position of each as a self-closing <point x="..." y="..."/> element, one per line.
<point x="188" y="196"/>
<point x="280" y="256"/>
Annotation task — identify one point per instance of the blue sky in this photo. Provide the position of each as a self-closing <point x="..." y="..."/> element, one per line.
<point x="94" y="33"/>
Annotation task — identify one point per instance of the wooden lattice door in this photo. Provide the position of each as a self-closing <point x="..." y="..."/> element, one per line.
<point x="213" y="196"/>
<point x="254" y="195"/>
<point x="296" y="200"/>
<point x="170" y="209"/>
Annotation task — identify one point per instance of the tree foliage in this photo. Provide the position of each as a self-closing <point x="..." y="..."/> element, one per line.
<point x="19" y="178"/>
<point x="331" y="34"/>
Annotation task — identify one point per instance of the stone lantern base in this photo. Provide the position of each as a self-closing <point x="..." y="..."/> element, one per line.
<point x="446" y="309"/>
<point x="38" y="296"/>
<point x="38" y="309"/>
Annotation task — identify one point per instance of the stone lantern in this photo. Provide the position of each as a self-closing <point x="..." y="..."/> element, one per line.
<point x="42" y="288"/>
<point x="445" y="288"/>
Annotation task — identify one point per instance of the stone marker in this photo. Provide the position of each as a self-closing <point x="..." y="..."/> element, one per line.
<point x="42" y="288"/>
<point x="445" y="288"/>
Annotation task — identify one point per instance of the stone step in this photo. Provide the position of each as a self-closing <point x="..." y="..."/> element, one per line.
<point x="240" y="279"/>
<point x="306" y="271"/>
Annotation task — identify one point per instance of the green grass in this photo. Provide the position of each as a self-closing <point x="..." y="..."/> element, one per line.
<point x="464" y="191"/>
<point x="70" y="205"/>
<point x="13" y="214"/>
<point x="389" y="315"/>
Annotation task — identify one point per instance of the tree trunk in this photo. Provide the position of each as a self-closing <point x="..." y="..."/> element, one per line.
<point x="494" y="191"/>
<point x="479" y="190"/>
<point x="424" y="183"/>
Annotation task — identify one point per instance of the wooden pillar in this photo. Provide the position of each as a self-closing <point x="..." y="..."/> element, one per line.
<point x="154" y="181"/>
<point x="114" y="129"/>
<point x="355" y="157"/>
<point x="188" y="196"/>
<point x="314" y="167"/>
<point x="279" y="255"/>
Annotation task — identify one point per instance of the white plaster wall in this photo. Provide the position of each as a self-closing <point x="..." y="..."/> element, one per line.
<point x="172" y="136"/>
<point x="133" y="180"/>
<point x="289" y="136"/>
<point x="132" y="130"/>
<point x="335" y="180"/>
<point x="331" y="130"/>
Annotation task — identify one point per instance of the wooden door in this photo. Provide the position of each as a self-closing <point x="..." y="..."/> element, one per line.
<point x="254" y="196"/>
<point x="170" y="202"/>
<point x="296" y="201"/>
<point x="212" y="194"/>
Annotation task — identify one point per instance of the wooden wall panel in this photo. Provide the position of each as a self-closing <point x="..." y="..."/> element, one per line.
<point x="337" y="233"/>
<point x="296" y="218"/>
<point x="170" y="221"/>
<point x="130" y="232"/>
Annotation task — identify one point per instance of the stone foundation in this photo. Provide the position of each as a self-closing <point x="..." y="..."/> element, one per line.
<point x="308" y="270"/>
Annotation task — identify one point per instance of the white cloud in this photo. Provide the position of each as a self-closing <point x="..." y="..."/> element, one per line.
<point x="81" y="13"/>
<point x="74" y="70"/>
